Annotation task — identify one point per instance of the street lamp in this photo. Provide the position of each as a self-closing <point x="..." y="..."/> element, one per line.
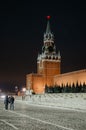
<point x="23" y="89"/>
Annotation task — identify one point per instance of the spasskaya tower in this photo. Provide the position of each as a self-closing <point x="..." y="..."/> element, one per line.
<point x="48" y="62"/>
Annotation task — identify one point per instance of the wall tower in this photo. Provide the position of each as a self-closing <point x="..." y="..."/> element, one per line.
<point x="48" y="62"/>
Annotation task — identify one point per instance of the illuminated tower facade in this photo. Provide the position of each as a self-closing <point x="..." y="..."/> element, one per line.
<point x="48" y="62"/>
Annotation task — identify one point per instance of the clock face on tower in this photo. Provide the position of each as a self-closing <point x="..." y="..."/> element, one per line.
<point x="50" y="49"/>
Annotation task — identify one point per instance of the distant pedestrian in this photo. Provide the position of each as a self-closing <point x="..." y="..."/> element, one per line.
<point x="9" y="99"/>
<point x="30" y="93"/>
<point x="12" y="103"/>
<point x="6" y="102"/>
<point x="23" y="97"/>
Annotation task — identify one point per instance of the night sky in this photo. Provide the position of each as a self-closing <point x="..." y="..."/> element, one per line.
<point x="22" y="26"/>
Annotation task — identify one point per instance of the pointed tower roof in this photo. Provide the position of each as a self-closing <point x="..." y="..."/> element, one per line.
<point x="48" y="30"/>
<point x="48" y="35"/>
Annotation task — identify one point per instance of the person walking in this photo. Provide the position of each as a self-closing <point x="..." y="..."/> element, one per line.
<point x="12" y="103"/>
<point x="6" y="102"/>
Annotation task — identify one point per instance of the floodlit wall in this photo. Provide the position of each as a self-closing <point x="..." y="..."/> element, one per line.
<point x="35" y="82"/>
<point x="70" y="78"/>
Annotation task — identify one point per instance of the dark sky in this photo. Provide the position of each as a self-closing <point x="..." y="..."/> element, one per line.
<point x="22" y="25"/>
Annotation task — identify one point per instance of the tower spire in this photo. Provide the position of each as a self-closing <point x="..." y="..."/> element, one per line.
<point x="48" y="30"/>
<point x="48" y="35"/>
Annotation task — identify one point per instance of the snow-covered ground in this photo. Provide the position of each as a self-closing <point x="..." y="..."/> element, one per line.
<point x="64" y="100"/>
<point x="38" y="114"/>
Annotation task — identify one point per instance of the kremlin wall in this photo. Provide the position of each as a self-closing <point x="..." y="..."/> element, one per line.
<point x="70" y="78"/>
<point x="49" y="68"/>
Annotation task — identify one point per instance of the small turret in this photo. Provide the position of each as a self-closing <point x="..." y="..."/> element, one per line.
<point x="59" y="56"/>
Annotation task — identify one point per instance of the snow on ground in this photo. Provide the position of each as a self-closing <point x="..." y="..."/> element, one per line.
<point x="64" y="100"/>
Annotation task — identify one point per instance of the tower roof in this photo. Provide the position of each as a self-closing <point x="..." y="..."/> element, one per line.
<point x="48" y="30"/>
<point x="48" y="35"/>
<point x="49" y="48"/>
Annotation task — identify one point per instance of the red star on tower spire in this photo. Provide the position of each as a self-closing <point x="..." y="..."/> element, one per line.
<point x="48" y="17"/>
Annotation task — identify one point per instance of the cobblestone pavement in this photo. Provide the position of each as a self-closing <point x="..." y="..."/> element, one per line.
<point x="32" y="117"/>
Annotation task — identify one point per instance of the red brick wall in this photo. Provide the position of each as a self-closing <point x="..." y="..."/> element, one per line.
<point x="35" y="82"/>
<point x="46" y="69"/>
<point x="50" y="69"/>
<point x="71" y="77"/>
